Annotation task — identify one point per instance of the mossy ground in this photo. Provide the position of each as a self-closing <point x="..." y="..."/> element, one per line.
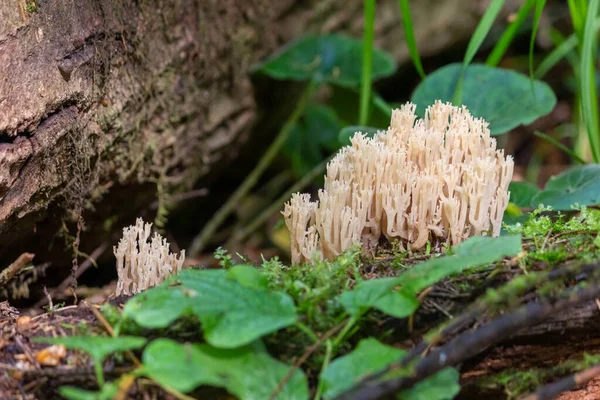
<point x="551" y="241"/>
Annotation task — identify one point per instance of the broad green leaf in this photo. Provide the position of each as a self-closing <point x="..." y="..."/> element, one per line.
<point x="349" y="132"/>
<point x="368" y="357"/>
<point x="249" y="276"/>
<point x="231" y="313"/>
<point x="502" y="97"/>
<point x="442" y="385"/>
<point x="312" y="138"/>
<point x="98" y="347"/>
<point x="577" y="185"/>
<point x="371" y="356"/>
<point x="158" y="307"/>
<point x="248" y="373"/>
<point x="328" y="58"/>
<point x="380" y="294"/>
<point x="521" y="193"/>
<point x="397" y="296"/>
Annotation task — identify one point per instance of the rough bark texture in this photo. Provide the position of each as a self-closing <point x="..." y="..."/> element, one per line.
<point x="120" y="93"/>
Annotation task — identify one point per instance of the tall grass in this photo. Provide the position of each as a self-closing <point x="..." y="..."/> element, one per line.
<point x="589" y="95"/>
<point x="509" y="34"/>
<point x="409" y="36"/>
<point x="367" y="61"/>
<point x="481" y="32"/>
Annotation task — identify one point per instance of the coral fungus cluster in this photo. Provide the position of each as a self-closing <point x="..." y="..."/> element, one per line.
<point x="440" y="178"/>
<point x="142" y="264"/>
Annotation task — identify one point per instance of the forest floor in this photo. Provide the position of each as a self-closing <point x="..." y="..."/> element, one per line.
<point x="515" y="325"/>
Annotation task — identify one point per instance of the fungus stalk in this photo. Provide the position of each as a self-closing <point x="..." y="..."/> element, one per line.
<point x="437" y="179"/>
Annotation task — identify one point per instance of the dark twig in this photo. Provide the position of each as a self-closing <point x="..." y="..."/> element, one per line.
<point x="471" y="343"/>
<point x="469" y="317"/>
<point x="571" y="382"/>
<point x="65" y="284"/>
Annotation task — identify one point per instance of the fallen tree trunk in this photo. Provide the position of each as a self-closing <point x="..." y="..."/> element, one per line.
<point x="105" y="99"/>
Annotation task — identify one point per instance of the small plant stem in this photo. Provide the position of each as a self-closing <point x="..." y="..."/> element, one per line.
<point x="560" y="146"/>
<point x="338" y="339"/>
<point x="367" y="61"/>
<point x="311" y="349"/>
<point x="273" y="208"/>
<point x="326" y="360"/>
<point x="309" y="332"/>
<point x="210" y="228"/>
<point x="99" y="372"/>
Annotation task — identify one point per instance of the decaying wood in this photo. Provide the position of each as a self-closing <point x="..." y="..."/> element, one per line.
<point x="471" y="343"/>
<point x="7" y="274"/>
<point x="101" y="95"/>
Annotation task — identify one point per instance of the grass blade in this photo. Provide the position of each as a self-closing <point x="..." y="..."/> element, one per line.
<point x="539" y="7"/>
<point x="589" y="96"/>
<point x="561" y="51"/>
<point x="482" y="30"/>
<point x="367" y="61"/>
<point x="560" y="146"/>
<point x="409" y="36"/>
<point x="577" y="16"/>
<point x="509" y="34"/>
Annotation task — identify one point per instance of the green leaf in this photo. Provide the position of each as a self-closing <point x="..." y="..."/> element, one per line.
<point x="231" y="313"/>
<point x="475" y="251"/>
<point x="371" y="356"/>
<point x="158" y="307"/>
<point x="249" y="276"/>
<point x="521" y="193"/>
<point x="397" y="296"/>
<point x="314" y="135"/>
<point x="248" y="372"/>
<point x="577" y="185"/>
<point x="327" y="58"/>
<point x="98" y="347"/>
<point x="368" y="357"/>
<point x="349" y="131"/>
<point x="107" y="392"/>
<point x="502" y="97"/>
<point x="380" y="294"/>
<point x="442" y="385"/>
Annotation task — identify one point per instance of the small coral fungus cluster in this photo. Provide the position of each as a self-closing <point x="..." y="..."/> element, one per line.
<point x="439" y="178"/>
<point x="142" y="264"/>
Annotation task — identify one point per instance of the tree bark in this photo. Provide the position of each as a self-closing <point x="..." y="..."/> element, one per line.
<point x="135" y="95"/>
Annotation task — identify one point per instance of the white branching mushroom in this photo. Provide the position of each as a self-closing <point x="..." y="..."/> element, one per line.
<point x="440" y="178"/>
<point x="142" y="264"/>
